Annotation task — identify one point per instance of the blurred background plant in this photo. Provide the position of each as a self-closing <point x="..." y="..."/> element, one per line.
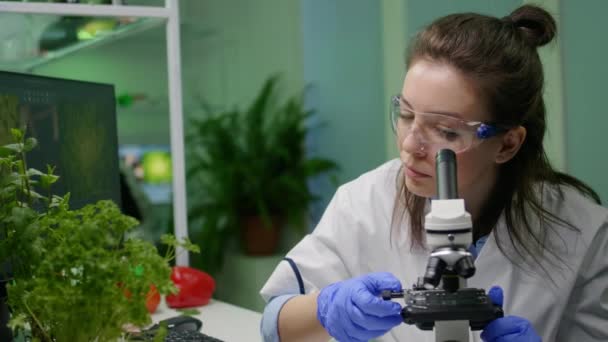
<point x="248" y="173"/>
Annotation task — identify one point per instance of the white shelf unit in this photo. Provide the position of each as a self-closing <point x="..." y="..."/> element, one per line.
<point x="170" y="14"/>
<point x="28" y="65"/>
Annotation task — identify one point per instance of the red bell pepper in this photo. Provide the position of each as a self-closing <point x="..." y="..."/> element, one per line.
<point x="195" y="287"/>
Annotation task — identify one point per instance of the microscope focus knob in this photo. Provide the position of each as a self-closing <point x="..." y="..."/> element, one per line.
<point x="465" y="267"/>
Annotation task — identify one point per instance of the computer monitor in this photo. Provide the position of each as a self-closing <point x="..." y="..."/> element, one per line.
<point x="75" y="125"/>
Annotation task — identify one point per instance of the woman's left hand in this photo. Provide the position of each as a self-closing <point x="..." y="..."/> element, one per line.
<point x="509" y="328"/>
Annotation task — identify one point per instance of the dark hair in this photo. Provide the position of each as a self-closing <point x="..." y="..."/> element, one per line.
<point x="500" y="55"/>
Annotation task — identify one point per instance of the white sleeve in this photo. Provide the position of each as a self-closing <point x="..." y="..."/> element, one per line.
<point x="586" y="318"/>
<point x="322" y="257"/>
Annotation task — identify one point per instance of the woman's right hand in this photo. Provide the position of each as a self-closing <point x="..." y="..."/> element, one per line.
<point x="352" y="310"/>
<point x="508" y="328"/>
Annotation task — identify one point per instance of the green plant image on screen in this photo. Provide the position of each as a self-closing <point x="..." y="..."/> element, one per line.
<point x="81" y="155"/>
<point x="157" y="167"/>
<point x="9" y="118"/>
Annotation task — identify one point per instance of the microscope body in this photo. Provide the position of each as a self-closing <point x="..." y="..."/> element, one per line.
<point x="440" y="300"/>
<point x="449" y="232"/>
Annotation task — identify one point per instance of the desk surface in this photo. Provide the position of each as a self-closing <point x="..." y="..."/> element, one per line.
<point x="221" y="320"/>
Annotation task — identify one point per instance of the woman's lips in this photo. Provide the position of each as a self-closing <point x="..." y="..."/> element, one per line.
<point x="410" y="172"/>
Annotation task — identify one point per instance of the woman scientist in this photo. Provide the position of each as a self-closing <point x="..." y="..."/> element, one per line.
<point x="474" y="84"/>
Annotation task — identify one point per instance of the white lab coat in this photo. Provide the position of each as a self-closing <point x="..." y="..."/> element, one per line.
<point x="354" y="238"/>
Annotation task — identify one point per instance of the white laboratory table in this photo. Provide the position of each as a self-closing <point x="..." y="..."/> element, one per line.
<point x="221" y="320"/>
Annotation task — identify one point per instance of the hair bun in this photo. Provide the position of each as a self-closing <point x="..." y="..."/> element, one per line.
<point x="536" y="24"/>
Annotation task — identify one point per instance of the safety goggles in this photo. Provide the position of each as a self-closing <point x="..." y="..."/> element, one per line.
<point x="439" y="131"/>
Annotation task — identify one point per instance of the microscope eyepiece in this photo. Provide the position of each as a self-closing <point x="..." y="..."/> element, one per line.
<point x="445" y="155"/>
<point x="445" y="166"/>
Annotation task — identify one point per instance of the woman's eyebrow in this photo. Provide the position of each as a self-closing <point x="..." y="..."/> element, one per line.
<point x="407" y="104"/>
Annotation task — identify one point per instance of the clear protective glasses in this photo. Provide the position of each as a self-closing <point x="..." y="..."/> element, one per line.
<point x="439" y="131"/>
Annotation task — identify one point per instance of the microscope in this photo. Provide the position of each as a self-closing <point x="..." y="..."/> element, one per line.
<point x="440" y="300"/>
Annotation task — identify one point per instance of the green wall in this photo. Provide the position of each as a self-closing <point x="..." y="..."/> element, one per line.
<point x="394" y="41"/>
<point x="422" y="12"/>
<point x="234" y="45"/>
<point x="551" y="57"/>
<point x="585" y="73"/>
<point x="343" y="62"/>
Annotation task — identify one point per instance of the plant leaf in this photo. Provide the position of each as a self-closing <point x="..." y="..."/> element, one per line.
<point x="18" y="322"/>
<point x="47" y="180"/>
<point x="17" y="134"/>
<point x="17" y="147"/>
<point x="34" y="172"/>
<point x="30" y="144"/>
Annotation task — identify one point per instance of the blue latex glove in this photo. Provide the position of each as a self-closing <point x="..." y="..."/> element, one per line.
<point x="509" y="328"/>
<point x="352" y="310"/>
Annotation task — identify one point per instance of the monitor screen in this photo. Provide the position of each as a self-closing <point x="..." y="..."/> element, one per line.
<point x="75" y="124"/>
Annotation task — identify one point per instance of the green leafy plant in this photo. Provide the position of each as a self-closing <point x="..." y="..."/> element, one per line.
<point x="75" y="274"/>
<point x="249" y="163"/>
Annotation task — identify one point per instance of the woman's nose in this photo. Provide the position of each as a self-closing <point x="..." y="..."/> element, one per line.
<point x="413" y="143"/>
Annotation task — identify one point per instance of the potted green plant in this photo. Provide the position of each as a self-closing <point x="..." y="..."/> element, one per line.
<point x="75" y="275"/>
<point x="249" y="171"/>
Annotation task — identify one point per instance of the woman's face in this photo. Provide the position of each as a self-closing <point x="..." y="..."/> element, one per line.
<point x="433" y="87"/>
